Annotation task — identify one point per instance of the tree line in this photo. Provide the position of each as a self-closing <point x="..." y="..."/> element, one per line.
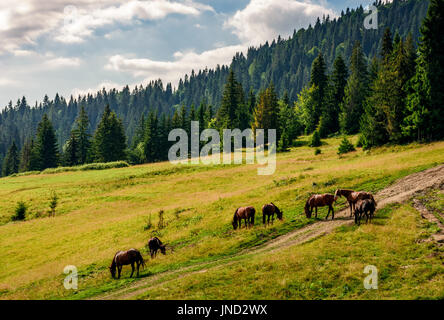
<point x="393" y="98"/>
<point x="285" y="62"/>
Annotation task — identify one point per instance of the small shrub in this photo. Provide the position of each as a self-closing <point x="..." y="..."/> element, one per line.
<point x="315" y="139"/>
<point x="161" y="223"/>
<point x="149" y="224"/>
<point x="345" y="146"/>
<point x="53" y="203"/>
<point x="317" y="151"/>
<point x="20" y="211"/>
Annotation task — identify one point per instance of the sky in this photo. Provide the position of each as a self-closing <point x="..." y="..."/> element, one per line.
<point x="75" y="47"/>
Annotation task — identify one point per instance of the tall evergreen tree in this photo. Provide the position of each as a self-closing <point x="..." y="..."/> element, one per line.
<point x="356" y="91"/>
<point x="82" y="136"/>
<point x="71" y="151"/>
<point x="425" y="120"/>
<point x="109" y="138"/>
<point x="11" y="161"/>
<point x="267" y="111"/>
<point x="232" y="99"/>
<point x="46" y="145"/>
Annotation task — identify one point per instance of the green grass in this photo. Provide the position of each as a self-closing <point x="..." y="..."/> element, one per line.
<point x="330" y="267"/>
<point x="101" y="212"/>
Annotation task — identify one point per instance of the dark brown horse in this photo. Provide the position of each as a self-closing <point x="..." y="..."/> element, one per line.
<point x="155" y="244"/>
<point x="353" y="197"/>
<point x="122" y="258"/>
<point x="269" y="210"/>
<point x="246" y="213"/>
<point x="367" y="207"/>
<point x="320" y="200"/>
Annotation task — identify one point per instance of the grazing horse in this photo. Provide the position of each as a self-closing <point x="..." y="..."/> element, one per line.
<point x="246" y="213"/>
<point x="367" y="207"/>
<point x="155" y="244"/>
<point x="122" y="258"/>
<point x="353" y="197"/>
<point x="269" y="210"/>
<point x="320" y="200"/>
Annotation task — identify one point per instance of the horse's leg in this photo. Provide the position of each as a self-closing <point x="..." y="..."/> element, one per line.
<point x="132" y="269"/>
<point x="351" y="208"/>
<point x="332" y="212"/>
<point x="316" y="210"/>
<point x="119" y="268"/>
<point x="328" y="213"/>
<point x="138" y="266"/>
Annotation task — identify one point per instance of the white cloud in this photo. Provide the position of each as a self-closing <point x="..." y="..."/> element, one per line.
<point x="5" y="82"/>
<point x="21" y="24"/>
<point x="171" y="71"/>
<point x="62" y="62"/>
<point x="106" y="84"/>
<point x="263" y="20"/>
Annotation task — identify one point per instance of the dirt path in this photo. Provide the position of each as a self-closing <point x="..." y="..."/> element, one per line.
<point x="400" y="191"/>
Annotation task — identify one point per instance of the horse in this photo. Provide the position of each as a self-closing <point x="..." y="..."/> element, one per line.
<point x="122" y="258"/>
<point x="367" y="207"/>
<point x="246" y="213"/>
<point x="269" y="210"/>
<point x="155" y="244"/>
<point x="353" y="197"/>
<point x="320" y="200"/>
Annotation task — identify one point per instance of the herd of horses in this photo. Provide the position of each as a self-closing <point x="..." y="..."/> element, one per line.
<point x="360" y="202"/>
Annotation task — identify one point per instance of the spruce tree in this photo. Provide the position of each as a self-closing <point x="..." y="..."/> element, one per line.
<point x="83" y="136"/>
<point x="46" y="145"/>
<point x="425" y="119"/>
<point x="11" y="161"/>
<point x="109" y="138"/>
<point x="355" y="93"/>
<point x="71" y="152"/>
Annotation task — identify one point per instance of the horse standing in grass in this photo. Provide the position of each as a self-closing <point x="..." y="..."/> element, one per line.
<point x="320" y="200"/>
<point x="353" y="197"/>
<point x="122" y="258"/>
<point x="269" y="210"/>
<point x="246" y="213"/>
<point x="367" y="207"/>
<point x="155" y="244"/>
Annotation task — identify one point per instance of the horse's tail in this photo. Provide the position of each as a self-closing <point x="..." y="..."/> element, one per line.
<point x="252" y="216"/>
<point x="141" y="261"/>
<point x="373" y="199"/>
<point x="307" y="208"/>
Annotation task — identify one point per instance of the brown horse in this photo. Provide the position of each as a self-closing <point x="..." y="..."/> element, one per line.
<point x="269" y="210"/>
<point x="246" y="213"/>
<point x="154" y="244"/>
<point x="367" y="207"/>
<point x="353" y="197"/>
<point x="320" y="200"/>
<point x="122" y="258"/>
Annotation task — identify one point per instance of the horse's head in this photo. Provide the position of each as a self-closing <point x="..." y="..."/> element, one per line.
<point x="163" y="248"/>
<point x="279" y="213"/>
<point x="307" y="210"/>
<point x="112" y="269"/>
<point x="337" y="193"/>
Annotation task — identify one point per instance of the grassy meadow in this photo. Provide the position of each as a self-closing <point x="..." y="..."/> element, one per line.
<point x="101" y="212"/>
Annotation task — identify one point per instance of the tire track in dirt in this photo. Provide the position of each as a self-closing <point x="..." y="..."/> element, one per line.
<point x="402" y="190"/>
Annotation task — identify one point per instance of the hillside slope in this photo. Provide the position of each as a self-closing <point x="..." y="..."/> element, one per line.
<point x="100" y="212"/>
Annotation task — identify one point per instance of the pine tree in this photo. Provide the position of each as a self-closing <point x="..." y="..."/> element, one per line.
<point x="11" y="161"/>
<point x="267" y="111"/>
<point x="25" y="156"/>
<point x="109" y="138"/>
<point x="82" y="136"/>
<point x="71" y="152"/>
<point x="232" y="99"/>
<point x="425" y="120"/>
<point x="355" y="93"/>
<point x="319" y="82"/>
<point x="46" y="145"/>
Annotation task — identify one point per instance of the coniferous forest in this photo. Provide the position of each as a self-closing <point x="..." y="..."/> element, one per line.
<point x="334" y="77"/>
